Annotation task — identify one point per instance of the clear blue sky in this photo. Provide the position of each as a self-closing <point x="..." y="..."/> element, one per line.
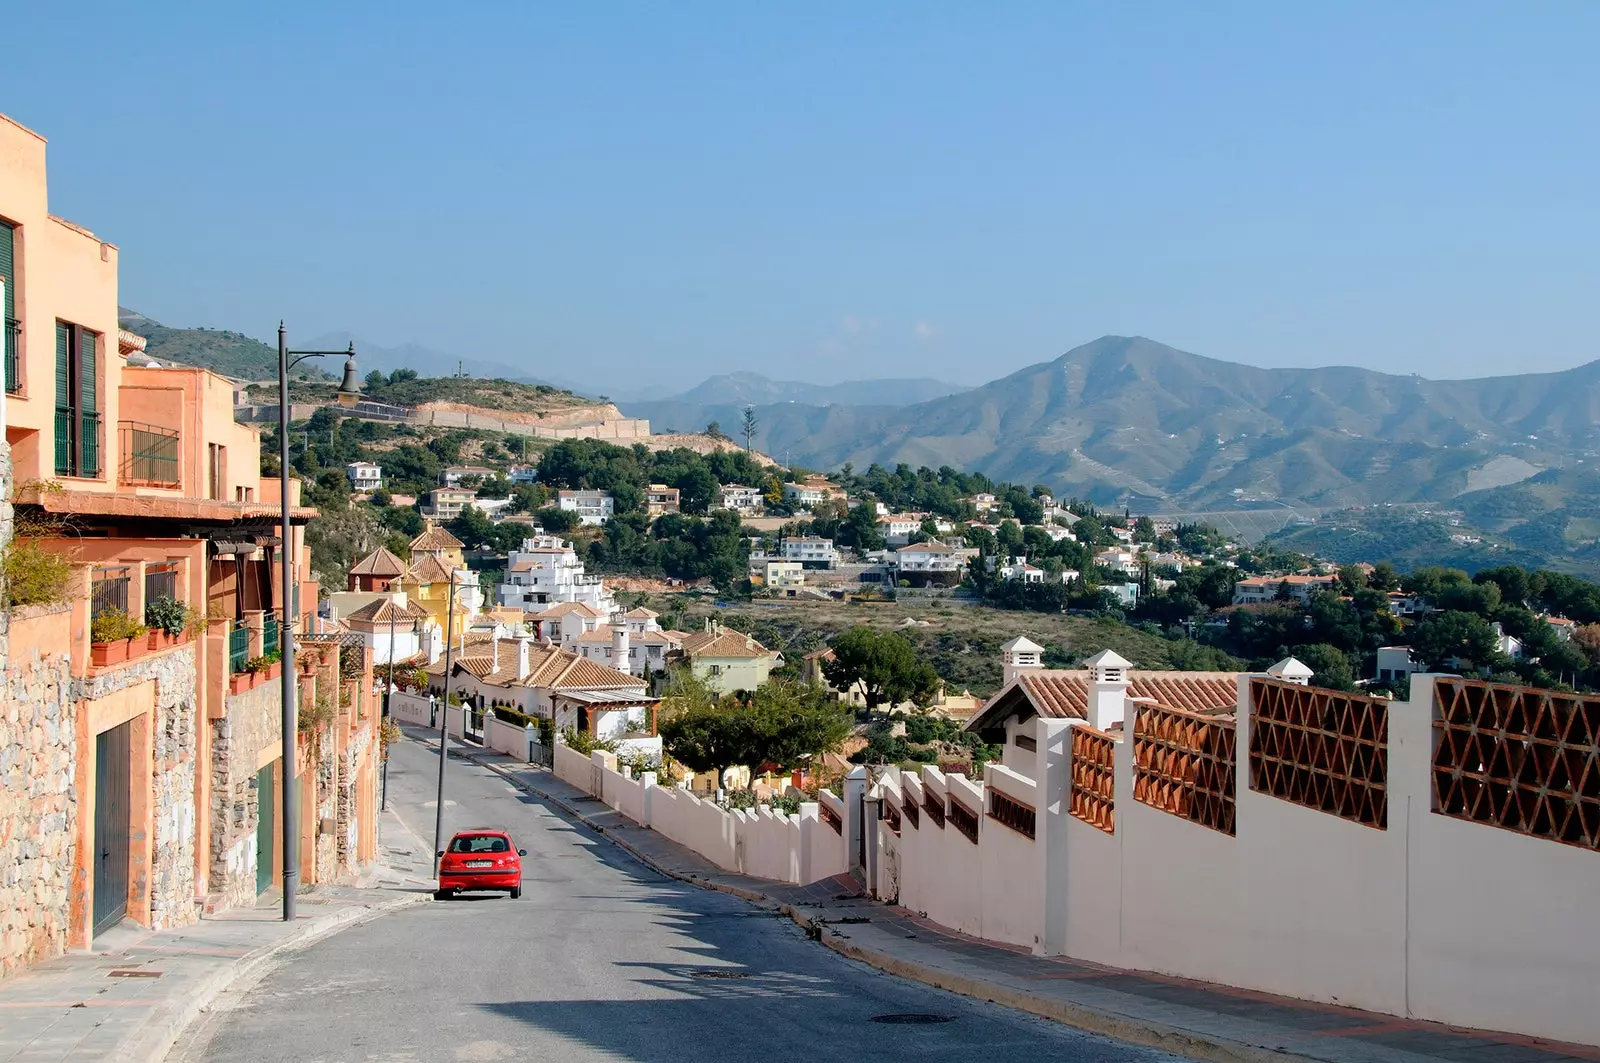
<point x="834" y="190"/>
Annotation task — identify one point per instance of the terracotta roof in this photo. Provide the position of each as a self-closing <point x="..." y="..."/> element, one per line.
<point x="598" y="635"/>
<point x="384" y="611"/>
<point x="428" y="570"/>
<point x="381" y="562"/>
<point x="436" y="538"/>
<point x="927" y="547"/>
<point x="723" y="643"/>
<point x="563" y="608"/>
<point x="549" y="667"/>
<point x="523" y="566"/>
<point x="641" y="613"/>
<point x="1064" y="694"/>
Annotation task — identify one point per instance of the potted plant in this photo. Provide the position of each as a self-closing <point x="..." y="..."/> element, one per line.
<point x="111" y="635"/>
<point x="168" y="620"/>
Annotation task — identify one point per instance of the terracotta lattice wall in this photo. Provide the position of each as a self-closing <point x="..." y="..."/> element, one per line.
<point x="1183" y="764"/>
<point x="1093" y="796"/>
<point x="1525" y="760"/>
<point x="1322" y="749"/>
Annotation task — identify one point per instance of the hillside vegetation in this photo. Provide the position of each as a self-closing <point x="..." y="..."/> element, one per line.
<point x="231" y="354"/>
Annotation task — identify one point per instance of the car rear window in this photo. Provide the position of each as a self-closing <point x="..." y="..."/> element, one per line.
<point x="479" y="843"/>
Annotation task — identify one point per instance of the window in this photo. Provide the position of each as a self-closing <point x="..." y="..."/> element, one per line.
<point x="13" y="330"/>
<point x="216" y="470"/>
<point x="480" y="843"/>
<point x="244" y="494"/>
<point x="77" y="401"/>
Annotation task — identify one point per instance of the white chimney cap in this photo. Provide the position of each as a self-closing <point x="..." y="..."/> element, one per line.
<point x="1292" y="669"/>
<point x="1108" y="659"/>
<point x="1022" y="644"/>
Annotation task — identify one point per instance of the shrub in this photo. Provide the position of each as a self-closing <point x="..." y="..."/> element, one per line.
<point x="263" y="662"/>
<point x="32" y="575"/>
<point x="167" y="615"/>
<point x="586" y="743"/>
<point x="512" y="715"/>
<point x="114" y="625"/>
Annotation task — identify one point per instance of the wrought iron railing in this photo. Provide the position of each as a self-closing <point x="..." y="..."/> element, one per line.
<point x="149" y="455"/>
<point x="238" y="646"/>
<point x="160" y="581"/>
<point x="108" y="589"/>
<point x="77" y="442"/>
<point x="13" y="330"/>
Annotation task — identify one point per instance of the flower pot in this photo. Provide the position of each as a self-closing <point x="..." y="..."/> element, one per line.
<point x="104" y="653"/>
<point x="239" y="682"/>
<point x="276" y="670"/>
<point x="137" y="647"/>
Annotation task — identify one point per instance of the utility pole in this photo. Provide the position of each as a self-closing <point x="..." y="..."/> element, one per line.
<point x="388" y="691"/>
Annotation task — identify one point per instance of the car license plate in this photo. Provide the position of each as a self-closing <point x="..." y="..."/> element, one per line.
<point x="478" y="863"/>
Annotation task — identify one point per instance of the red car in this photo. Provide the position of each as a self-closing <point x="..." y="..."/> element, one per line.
<point x="480" y="860"/>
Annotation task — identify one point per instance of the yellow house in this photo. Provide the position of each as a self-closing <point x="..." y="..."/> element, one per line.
<point x="435" y="556"/>
<point x="728" y="660"/>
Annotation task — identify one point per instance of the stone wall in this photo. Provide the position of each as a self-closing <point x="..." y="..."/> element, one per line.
<point x="251" y="720"/>
<point x="172" y="782"/>
<point x="38" y="804"/>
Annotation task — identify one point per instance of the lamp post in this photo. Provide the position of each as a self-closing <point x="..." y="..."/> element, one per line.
<point x="287" y="360"/>
<point x="444" y="721"/>
<point x="388" y="691"/>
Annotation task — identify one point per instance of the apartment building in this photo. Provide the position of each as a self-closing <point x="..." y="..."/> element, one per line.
<point x="928" y="564"/>
<point x="546" y="573"/>
<point x="812" y="490"/>
<point x="140" y="720"/>
<point x="364" y="475"/>
<point x="1258" y="590"/>
<point x="446" y="503"/>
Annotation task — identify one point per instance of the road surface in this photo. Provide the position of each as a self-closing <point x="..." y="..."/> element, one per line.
<point x="600" y="959"/>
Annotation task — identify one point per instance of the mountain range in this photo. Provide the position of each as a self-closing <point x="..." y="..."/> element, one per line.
<point x="1126" y="420"/>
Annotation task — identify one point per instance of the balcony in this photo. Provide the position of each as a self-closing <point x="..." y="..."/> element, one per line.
<point x="13" y="332"/>
<point x="77" y="442"/>
<point x="149" y="455"/>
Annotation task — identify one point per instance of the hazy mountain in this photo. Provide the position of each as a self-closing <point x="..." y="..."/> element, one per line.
<point x="1130" y="419"/>
<point x="741" y="389"/>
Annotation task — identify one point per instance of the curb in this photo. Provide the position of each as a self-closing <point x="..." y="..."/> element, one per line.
<point x="1107" y="1024"/>
<point x="156" y="1036"/>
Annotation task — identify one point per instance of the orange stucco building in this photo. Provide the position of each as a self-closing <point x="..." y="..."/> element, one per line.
<point x="152" y="776"/>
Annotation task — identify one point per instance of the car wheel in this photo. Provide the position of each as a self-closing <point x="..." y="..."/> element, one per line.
<point x="516" y="891"/>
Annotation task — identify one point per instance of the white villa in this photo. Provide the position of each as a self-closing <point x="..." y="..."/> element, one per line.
<point x="745" y="501"/>
<point x="592" y="507"/>
<point x="545" y="573"/>
<point x="364" y="475"/>
<point x="809" y="550"/>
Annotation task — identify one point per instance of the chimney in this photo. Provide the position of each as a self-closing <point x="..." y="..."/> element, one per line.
<point x="432" y="644"/>
<point x="619" y="648"/>
<point x="1108" y="689"/>
<point x="524" y="652"/>
<point x="1291" y="670"/>
<point x="494" y="655"/>
<point x="1018" y="656"/>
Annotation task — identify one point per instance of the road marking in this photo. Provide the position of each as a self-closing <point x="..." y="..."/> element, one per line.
<point x="435" y="804"/>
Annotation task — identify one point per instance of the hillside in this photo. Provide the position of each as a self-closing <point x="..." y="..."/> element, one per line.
<point x="232" y="354"/>
<point x="740" y="389"/>
<point x="1555" y="514"/>
<point x="1130" y="420"/>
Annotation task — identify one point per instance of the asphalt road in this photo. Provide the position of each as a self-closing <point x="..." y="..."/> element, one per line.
<point x="600" y="959"/>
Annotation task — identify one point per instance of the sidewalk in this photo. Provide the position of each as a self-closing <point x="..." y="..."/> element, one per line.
<point x="128" y="999"/>
<point x="1195" y="1019"/>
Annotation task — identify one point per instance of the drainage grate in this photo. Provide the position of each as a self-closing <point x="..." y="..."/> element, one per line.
<point x="133" y="974"/>
<point x="913" y="1019"/>
<point x="719" y="973"/>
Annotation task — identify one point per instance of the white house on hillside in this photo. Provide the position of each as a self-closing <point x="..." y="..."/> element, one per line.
<point x="1017" y="568"/>
<point x="545" y="573"/>
<point x="592" y="507"/>
<point x="364" y="475"/>
<point x="745" y="501"/>
<point x="810" y="550"/>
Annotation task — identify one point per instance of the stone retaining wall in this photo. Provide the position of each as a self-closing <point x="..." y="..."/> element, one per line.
<point x="38" y="804"/>
<point x="250" y="721"/>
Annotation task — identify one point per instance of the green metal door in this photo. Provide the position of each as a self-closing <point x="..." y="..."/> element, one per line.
<point x="113" y="797"/>
<point x="265" y="824"/>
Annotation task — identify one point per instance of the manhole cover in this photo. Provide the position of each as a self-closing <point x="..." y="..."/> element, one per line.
<point x="913" y="1019"/>
<point x="719" y="974"/>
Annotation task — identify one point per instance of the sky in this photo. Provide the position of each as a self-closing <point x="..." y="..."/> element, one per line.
<point x="838" y="190"/>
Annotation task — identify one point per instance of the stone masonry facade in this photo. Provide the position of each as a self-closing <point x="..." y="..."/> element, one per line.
<point x="171" y="884"/>
<point x="252" y="720"/>
<point x="38" y="807"/>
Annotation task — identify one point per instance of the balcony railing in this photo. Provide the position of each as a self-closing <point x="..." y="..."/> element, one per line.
<point x="77" y="454"/>
<point x="238" y="646"/>
<point x="269" y="635"/>
<point x="13" y="330"/>
<point x="149" y="455"/>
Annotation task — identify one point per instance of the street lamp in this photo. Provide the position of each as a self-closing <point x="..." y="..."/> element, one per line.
<point x="444" y="721"/>
<point x="383" y="799"/>
<point x="287" y="360"/>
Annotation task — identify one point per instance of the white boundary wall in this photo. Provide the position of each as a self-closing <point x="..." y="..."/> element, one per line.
<point x="1433" y="917"/>
<point x="759" y="842"/>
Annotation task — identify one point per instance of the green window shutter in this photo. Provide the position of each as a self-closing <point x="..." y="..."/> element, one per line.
<point x="63" y="365"/>
<point x="87" y="370"/>
<point x="8" y="268"/>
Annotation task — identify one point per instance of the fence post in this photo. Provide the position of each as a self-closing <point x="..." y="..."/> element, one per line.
<point x="872" y="808"/>
<point x="648" y="781"/>
<point x="1052" y="776"/>
<point x="855" y="793"/>
<point x="531" y="733"/>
